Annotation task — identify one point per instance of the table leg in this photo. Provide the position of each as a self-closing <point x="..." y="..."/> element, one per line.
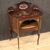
<point x="18" y="32"/>
<point x="38" y="37"/>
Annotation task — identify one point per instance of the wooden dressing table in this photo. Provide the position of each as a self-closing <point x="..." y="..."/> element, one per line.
<point x="24" y="17"/>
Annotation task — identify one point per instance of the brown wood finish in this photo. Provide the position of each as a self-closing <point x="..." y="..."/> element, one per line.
<point x="23" y="19"/>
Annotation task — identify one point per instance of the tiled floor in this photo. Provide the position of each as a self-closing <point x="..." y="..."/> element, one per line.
<point x="27" y="43"/>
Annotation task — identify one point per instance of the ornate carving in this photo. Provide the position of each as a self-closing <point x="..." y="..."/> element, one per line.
<point x="24" y="17"/>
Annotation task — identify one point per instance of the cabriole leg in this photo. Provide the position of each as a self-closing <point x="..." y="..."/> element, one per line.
<point x="38" y="37"/>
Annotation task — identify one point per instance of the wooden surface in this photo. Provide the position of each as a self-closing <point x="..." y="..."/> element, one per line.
<point x="27" y="43"/>
<point x="18" y="16"/>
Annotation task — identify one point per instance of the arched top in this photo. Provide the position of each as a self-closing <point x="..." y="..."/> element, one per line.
<point x="24" y="8"/>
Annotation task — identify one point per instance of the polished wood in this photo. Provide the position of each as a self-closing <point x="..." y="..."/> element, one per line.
<point x="24" y="17"/>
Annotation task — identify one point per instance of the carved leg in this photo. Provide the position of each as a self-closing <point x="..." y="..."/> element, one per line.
<point x="38" y="33"/>
<point x="38" y="38"/>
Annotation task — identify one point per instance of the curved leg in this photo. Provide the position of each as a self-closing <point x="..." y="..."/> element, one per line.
<point x="38" y="33"/>
<point x="39" y="26"/>
<point x="38" y="38"/>
<point x="18" y="38"/>
<point x="18" y="31"/>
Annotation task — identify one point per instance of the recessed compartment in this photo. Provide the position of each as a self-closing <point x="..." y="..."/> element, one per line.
<point x="29" y="24"/>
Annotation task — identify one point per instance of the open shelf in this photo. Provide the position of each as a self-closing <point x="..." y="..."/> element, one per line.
<point x="29" y="24"/>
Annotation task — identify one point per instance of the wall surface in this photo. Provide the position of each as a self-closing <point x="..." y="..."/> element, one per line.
<point x="43" y="4"/>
